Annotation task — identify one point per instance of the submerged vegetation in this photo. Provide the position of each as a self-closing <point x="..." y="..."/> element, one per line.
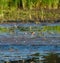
<point x="33" y="30"/>
<point x="34" y="10"/>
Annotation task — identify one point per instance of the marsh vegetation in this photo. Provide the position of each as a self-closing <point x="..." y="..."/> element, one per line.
<point x="29" y="28"/>
<point x="30" y="10"/>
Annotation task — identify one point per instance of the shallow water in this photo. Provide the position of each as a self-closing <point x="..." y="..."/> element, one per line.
<point x="15" y="52"/>
<point x="17" y="40"/>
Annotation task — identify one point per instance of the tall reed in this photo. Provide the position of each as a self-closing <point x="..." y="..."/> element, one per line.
<point x="30" y="4"/>
<point x="55" y="4"/>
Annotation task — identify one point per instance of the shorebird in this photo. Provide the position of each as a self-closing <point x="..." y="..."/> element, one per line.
<point x="33" y="33"/>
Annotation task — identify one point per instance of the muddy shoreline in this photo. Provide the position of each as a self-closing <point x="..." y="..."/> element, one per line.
<point x="29" y="21"/>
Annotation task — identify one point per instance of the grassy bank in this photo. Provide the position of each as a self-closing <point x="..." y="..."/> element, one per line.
<point x="36" y="16"/>
<point x="30" y="10"/>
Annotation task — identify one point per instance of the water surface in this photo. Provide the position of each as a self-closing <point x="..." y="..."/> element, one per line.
<point x="18" y="41"/>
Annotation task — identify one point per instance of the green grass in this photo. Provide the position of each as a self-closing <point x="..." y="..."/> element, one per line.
<point x="55" y="29"/>
<point x="22" y="9"/>
<point x="24" y="15"/>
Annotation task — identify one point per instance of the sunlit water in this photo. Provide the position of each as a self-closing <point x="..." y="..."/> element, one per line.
<point x="18" y="41"/>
